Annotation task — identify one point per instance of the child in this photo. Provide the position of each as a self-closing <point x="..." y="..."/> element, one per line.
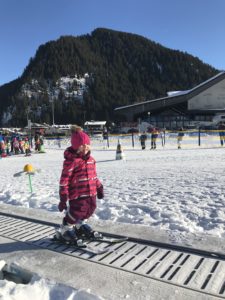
<point x="8" y="146"/>
<point x="79" y="186"/>
<point x="16" y="146"/>
<point x="37" y="144"/>
<point x="2" y="148"/>
<point x="27" y="147"/>
<point x="21" y="145"/>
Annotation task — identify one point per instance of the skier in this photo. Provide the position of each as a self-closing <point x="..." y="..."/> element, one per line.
<point x="1" y="137"/>
<point x="105" y="137"/>
<point x="180" y="136"/>
<point x="14" y="136"/>
<point x="79" y="186"/>
<point x="154" y="136"/>
<point x="27" y="147"/>
<point x="16" y="146"/>
<point x="143" y="139"/>
<point x="2" y="148"/>
<point x="8" y="146"/>
<point x="21" y="145"/>
<point x="37" y="144"/>
<point x="221" y="129"/>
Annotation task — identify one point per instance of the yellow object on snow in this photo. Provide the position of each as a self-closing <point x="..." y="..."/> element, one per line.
<point x="28" y="168"/>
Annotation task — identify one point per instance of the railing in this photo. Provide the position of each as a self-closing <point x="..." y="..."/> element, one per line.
<point x="165" y="140"/>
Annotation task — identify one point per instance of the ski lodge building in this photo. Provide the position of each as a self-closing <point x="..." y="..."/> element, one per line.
<point x="199" y="106"/>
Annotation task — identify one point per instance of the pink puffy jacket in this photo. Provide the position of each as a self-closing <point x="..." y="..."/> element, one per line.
<point x="78" y="178"/>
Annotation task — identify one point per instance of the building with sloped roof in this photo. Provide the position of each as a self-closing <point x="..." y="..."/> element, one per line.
<point x="196" y="106"/>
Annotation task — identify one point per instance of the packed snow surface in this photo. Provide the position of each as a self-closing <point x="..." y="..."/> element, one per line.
<point x="180" y="190"/>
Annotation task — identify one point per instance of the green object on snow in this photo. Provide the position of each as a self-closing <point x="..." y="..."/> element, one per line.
<point x="42" y="149"/>
<point x="30" y="184"/>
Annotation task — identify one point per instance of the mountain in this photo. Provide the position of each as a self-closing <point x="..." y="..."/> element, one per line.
<point x="87" y="76"/>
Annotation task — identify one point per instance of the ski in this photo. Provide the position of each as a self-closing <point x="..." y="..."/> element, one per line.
<point x="83" y="243"/>
<point x="110" y="240"/>
<point x="81" y="246"/>
<point x="96" y="251"/>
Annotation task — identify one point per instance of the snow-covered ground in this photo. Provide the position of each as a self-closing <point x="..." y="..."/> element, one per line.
<point x="178" y="191"/>
<point x="40" y="288"/>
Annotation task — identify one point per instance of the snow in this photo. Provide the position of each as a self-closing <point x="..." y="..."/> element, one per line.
<point x="40" y="288"/>
<point x="177" y="93"/>
<point x="180" y="192"/>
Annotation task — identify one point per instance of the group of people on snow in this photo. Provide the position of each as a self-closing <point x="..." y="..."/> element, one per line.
<point x="14" y="144"/>
<point x="154" y="135"/>
<point x="180" y="134"/>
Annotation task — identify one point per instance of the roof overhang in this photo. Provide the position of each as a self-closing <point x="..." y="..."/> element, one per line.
<point x="169" y="101"/>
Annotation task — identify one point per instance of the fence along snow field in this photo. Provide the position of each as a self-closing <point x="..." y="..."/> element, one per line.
<point x="171" y="264"/>
<point x="165" y="140"/>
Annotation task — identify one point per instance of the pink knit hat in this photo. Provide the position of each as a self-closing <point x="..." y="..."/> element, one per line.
<point x="79" y="138"/>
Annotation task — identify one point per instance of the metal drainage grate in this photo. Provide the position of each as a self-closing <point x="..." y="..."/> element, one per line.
<point x="188" y="270"/>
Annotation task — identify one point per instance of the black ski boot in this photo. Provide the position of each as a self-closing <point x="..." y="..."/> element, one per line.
<point x="67" y="234"/>
<point x="86" y="232"/>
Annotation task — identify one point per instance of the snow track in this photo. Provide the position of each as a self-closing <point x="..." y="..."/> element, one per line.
<point x="189" y="268"/>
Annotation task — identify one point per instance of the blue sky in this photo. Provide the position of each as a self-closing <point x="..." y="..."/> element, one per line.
<point x="193" y="26"/>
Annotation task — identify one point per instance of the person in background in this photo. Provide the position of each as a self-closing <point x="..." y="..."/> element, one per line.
<point x="221" y="129"/>
<point x="37" y="143"/>
<point x="21" y="145"/>
<point x="180" y="136"/>
<point x="16" y="146"/>
<point x="143" y="139"/>
<point x="58" y="141"/>
<point x="41" y="145"/>
<point x="14" y="136"/>
<point x="154" y="136"/>
<point x="27" y="147"/>
<point x="79" y="186"/>
<point x="2" y="147"/>
<point x="1" y="144"/>
<point x="8" y="146"/>
<point x="1" y="137"/>
<point x="105" y="137"/>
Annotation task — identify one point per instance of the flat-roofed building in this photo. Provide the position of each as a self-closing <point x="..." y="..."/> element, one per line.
<point x="198" y="105"/>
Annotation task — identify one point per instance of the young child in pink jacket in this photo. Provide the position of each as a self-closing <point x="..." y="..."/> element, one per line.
<point x="79" y="186"/>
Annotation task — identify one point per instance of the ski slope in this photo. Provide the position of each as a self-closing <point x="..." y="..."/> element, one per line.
<point x="173" y="195"/>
